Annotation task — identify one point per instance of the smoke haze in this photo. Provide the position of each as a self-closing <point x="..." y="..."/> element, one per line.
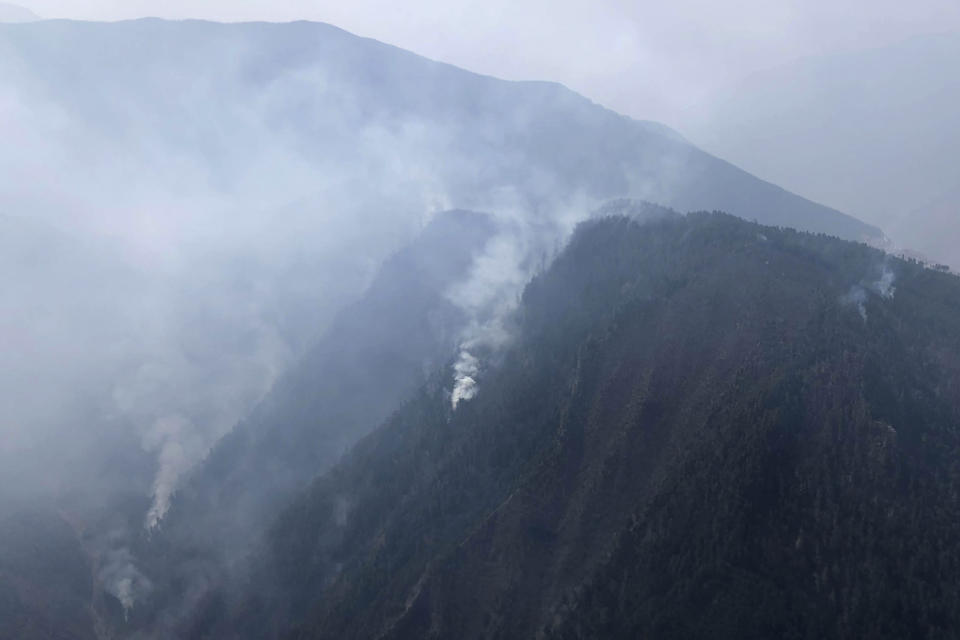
<point x="185" y="219"/>
<point x="194" y="216"/>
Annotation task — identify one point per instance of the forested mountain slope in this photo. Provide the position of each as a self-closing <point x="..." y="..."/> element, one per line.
<point x="233" y="187"/>
<point x="46" y="585"/>
<point x="377" y="352"/>
<point x="237" y="186"/>
<point x="705" y="428"/>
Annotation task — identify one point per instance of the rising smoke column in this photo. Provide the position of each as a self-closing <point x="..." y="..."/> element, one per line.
<point x="885" y="283"/>
<point x="883" y="286"/>
<point x="487" y="296"/>
<point x="118" y="571"/>
<point x="490" y="293"/>
<point x="178" y="448"/>
<point x="465" y="371"/>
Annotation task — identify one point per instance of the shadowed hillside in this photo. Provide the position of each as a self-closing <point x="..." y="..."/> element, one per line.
<point x="706" y="428"/>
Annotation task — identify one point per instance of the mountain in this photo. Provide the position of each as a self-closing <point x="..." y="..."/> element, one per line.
<point x="871" y="132"/>
<point x="46" y="590"/>
<point x="376" y="353"/>
<point x="246" y="182"/>
<point x="938" y="213"/>
<point x="13" y="13"/>
<point x="239" y="185"/>
<point x="210" y="204"/>
<point x="704" y="428"/>
<point x="256" y="175"/>
<point x="203" y="106"/>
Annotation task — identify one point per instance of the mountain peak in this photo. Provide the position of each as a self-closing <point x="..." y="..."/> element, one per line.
<point x="15" y="13"/>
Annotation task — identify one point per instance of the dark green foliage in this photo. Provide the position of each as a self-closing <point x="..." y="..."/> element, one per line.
<point x="46" y="585"/>
<point x="378" y="352"/>
<point x="373" y="357"/>
<point x="696" y="434"/>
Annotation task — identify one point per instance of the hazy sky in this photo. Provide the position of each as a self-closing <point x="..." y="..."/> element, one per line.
<point x="645" y="58"/>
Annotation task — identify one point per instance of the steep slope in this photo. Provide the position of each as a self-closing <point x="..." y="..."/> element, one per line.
<point x="224" y="99"/>
<point x="14" y="13"/>
<point x="377" y="352"/>
<point x="46" y="586"/>
<point x="262" y="172"/>
<point x="706" y="428"/>
<point x="869" y="132"/>
<point x="247" y="180"/>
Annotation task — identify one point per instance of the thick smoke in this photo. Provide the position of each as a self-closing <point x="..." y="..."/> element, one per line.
<point x="186" y="207"/>
<point x="119" y="574"/>
<point x="465" y="372"/>
<point x="178" y="448"/>
<point x="158" y="271"/>
<point x="528" y="237"/>
<point x="221" y="191"/>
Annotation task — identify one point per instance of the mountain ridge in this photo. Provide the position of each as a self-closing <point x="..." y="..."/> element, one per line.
<point x="489" y="521"/>
<point x="16" y="14"/>
<point x="888" y="103"/>
<point x="303" y="140"/>
<point x="544" y="102"/>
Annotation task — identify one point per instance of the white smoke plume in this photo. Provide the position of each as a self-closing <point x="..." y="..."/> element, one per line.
<point x="487" y="296"/>
<point x="856" y="296"/>
<point x="178" y="448"/>
<point x="164" y="292"/>
<point x="119" y="575"/>
<point x="465" y="371"/>
<point x="884" y="284"/>
<point x="529" y="236"/>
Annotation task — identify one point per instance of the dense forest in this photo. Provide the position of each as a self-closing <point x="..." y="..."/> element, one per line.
<point x="377" y="352"/>
<point x="704" y="428"/>
<point x="45" y="577"/>
<point x="308" y="336"/>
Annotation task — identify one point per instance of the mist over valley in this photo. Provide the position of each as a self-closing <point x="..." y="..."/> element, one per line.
<point x="305" y="335"/>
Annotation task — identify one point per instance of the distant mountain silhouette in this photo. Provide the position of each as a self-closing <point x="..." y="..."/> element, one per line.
<point x="226" y="96"/>
<point x="871" y="132"/>
<point x="14" y="13"/>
